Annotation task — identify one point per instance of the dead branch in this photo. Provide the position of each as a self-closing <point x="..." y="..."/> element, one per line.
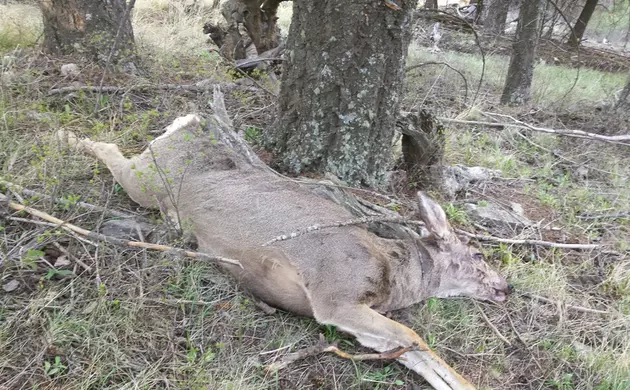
<point x="546" y="244"/>
<point x="562" y="304"/>
<point x="72" y="257"/>
<point x="617" y="139"/>
<point x="179" y="302"/>
<point x="201" y="86"/>
<point x="589" y="217"/>
<point x="322" y="347"/>
<point x="113" y="240"/>
<point x="65" y="202"/>
<point x="274" y="54"/>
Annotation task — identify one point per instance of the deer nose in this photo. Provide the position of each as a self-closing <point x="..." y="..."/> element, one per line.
<point x="510" y="289"/>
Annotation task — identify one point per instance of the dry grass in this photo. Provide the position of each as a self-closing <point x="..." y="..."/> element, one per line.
<point x="20" y="26"/>
<point x="164" y="30"/>
<point x="144" y="320"/>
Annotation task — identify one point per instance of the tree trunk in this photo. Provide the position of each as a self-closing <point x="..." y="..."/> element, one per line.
<point x="259" y="17"/>
<point x="521" y="69"/>
<point x="624" y="99"/>
<point x="580" y="25"/>
<point x="432" y="4"/>
<point x="88" y="28"/>
<point x="494" y="15"/>
<point x="260" y="22"/>
<point x="341" y="88"/>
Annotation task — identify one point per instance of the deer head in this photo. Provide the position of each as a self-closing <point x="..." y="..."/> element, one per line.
<point x="464" y="269"/>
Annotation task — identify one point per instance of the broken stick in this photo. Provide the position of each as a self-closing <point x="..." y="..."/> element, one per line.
<point x="113" y="240"/>
<point x="323" y="347"/>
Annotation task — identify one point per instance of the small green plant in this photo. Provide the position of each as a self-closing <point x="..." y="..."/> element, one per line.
<point x="456" y="214"/>
<point x="332" y="335"/>
<point x="54" y="369"/>
<point x="253" y="135"/>
<point x="564" y="383"/>
<point x="383" y="377"/>
<point x="505" y="253"/>
<point x="31" y="257"/>
<point x="57" y="272"/>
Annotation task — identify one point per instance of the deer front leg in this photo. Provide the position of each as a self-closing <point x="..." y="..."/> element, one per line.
<point x="382" y="334"/>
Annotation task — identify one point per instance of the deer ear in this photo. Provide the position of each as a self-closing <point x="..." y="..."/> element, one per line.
<point x="435" y="218"/>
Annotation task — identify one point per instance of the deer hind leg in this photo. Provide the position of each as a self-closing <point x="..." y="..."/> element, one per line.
<point x="382" y="334"/>
<point x="118" y="165"/>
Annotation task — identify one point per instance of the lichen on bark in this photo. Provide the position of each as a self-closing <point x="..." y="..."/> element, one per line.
<point x="341" y="87"/>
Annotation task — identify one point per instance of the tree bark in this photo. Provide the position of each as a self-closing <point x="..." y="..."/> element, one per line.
<point x="517" y="88"/>
<point x="88" y="28"/>
<point x="423" y="141"/>
<point x="260" y="22"/>
<point x="432" y="4"/>
<point x="341" y="88"/>
<point x="259" y="17"/>
<point x="582" y="22"/>
<point x="624" y="99"/>
<point x="494" y="15"/>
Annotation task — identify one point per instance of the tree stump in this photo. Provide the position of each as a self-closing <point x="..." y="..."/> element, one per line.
<point x="423" y="141"/>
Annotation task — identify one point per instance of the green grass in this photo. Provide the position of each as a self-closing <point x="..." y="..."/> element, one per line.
<point x="552" y="85"/>
<point x="20" y="26"/>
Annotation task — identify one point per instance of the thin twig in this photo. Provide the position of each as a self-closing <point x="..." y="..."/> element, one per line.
<point x="562" y="304"/>
<point x="491" y="325"/>
<point x="412" y="67"/>
<point x="113" y="240"/>
<point x="65" y="202"/>
<point x="322" y="347"/>
<point x="72" y="257"/>
<point x="605" y="216"/>
<point x="618" y="139"/>
<point x="358" y="221"/>
<point x="546" y="244"/>
<point x="565" y="132"/>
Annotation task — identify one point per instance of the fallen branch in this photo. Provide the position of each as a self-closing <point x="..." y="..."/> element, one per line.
<point x="562" y="304"/>
<point x="65" y="202"/>
<point x="322" y="347"/>
<point x="113" y="240"/>
<point x="589" y="217"/>
<point x="617" y="139"/>
<point x="72" y="257"/>
<point x="201" y="86"/>
<point x="546" y="244"/>
<point x="274" y="54"/>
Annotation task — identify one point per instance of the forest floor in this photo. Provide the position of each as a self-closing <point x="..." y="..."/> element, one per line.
<point x="137" y="320"/>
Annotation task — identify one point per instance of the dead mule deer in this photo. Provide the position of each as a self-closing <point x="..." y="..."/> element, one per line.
<point x="204" y="175"/>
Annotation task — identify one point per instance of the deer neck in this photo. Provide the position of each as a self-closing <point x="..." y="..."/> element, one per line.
<point x="414" y="275"/>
